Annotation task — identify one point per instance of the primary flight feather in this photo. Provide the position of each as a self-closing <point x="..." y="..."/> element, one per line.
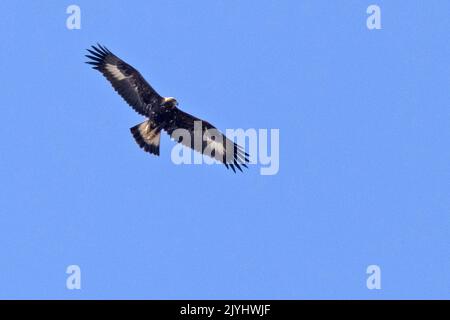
<point x="163" y="113"/>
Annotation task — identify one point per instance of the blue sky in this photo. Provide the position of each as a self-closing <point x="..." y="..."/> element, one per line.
<point x="364" y="151"/>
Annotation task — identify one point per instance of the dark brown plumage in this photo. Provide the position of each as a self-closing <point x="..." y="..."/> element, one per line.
<point x="163" y="113"/>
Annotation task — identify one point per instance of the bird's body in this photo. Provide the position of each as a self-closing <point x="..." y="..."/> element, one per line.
<point x="163" y="113"/>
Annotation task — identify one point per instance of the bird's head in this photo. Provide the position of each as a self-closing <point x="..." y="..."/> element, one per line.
<point x="170" y="102"/>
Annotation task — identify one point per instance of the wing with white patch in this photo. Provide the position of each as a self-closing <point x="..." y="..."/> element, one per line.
<point x="204" y="138"/>
<point x="126" y="80"/>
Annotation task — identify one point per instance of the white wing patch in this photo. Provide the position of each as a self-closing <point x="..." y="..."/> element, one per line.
<point x="216" y="143"/>
<point x="116" y="73"/>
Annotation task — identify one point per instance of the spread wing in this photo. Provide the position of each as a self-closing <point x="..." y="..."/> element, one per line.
<point x="212" y="142"/>
<point x="126" y="80"/>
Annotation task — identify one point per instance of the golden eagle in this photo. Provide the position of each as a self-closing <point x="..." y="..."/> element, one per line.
<point x="163" y="113"/>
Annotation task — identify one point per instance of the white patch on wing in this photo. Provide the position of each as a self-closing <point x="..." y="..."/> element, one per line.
<point x="216" y="144"/>
<point x="116" y="73"/>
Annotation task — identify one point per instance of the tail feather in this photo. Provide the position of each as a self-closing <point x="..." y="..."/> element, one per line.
<point x="147" y="136"/>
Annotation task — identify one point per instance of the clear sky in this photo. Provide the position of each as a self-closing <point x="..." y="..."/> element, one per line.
<point x="364" y="151"/>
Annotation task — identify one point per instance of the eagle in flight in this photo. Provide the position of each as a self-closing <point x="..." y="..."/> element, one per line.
<point x="163" y="114"/>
